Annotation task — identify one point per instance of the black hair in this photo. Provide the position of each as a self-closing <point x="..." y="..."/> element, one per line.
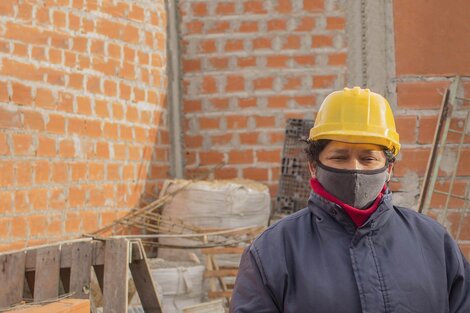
<point x="315" y="147"/>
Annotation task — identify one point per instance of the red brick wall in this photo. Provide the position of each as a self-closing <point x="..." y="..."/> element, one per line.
<point x="430" y="49"/>
<point x="248" y="66"/>
<point x="82" y="114"/>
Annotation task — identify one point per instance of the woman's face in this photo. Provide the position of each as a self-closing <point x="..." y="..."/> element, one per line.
<point x="353" y="156"/>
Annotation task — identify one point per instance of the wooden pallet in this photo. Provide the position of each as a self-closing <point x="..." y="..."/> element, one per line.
<point x="220" y="276"/>
<point x="69" y="265"/>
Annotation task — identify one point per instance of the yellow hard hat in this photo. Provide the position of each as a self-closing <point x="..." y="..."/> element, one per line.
<point x="358" y="116"/>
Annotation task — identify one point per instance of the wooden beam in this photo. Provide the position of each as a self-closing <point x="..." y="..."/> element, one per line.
<point x="80" y="270"/>
<point x="46" y="284"/>
<point x="116" y="265"/>
<point x="12" y="278"/>
<point x="143" y="281"/>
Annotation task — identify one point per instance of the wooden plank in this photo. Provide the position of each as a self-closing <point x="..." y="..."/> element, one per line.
<point x="12" y="278"/>
<point x="116" y="262"/>
<point x="62" y="306"/>
<point x="143" y="281"/>
<point x="221" y="273"/>
<point x="98" y="253"/>
<point x="80" y="270"/>
<point x="46" y="284"/>
<point x="224" y="250"/>
<point x="220" y="294"/>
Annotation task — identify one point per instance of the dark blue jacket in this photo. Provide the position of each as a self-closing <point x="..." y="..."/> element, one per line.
<point x="316" y="260"/>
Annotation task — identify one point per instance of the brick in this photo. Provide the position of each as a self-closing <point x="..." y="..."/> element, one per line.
<point x="56" y="124"/>
<point x="22" y="144"/>
<point x="269" y="156"/>
<point x="208" y="46"/>
<point x="209" y="85"/>
<point x="211" y="157"/>
<point x="277" y="61"/>
<point x="9" y="118"/>
<point x="19" y="227"/>
<point x="20" y="50"/>
<point x="37" y="225"/>
<point x="237" y="121"/>
<point x="224" y="139"/>
<point x="22" y="201"/>
<point x="277" y="24"/>
<point x="256" y="173"/>
<point x="292" y="83"/>
<point x="4" y="97"/>
<point x="46" y="147"/>
<point x="76" y="197"/>
<point x="41" y="172"/>
<point x="199" y="9"/>
<point x="65" y="102"/>
<point x="246" y="61"/>
<point x="219" y="63"/>
<point x="240" y="157"/>
<point x="95" y="171"/>
<point x="249" y="138"/>
<point x="424" y="95"/>
<point x="306" y="24"/>
<point x="4" y="146"/>
<point x="278" y="101"/>
<point x="20" y="70"/>
<point x="292" y="42"/>
<point x="263" y="83"/>
<point x="254" y="7"/>
<point x="319" y="41"/>
<point x="38" y="199"/>
<point x="192" y="65"/>
<point x="219" y="27"/>
<point x="7" y="8"/>
<point x="261" y="43"/>
<point x="209" y="122"/>
<point x="265" y="121"/>
<point x="6" y="202"/>
<point x="232" y="45"/>
<point x="284" y="6"/>
<point x="313" y="5"/>
<point x="66" y="148"/>
<point x="5" y="225"/>
<point x="194" y="27"/>
<point x="462" y="168"/>
<point x="21" y="94"/>
<point x="305" y="60"/>
<point x="225" y="8"/>
<point x="324" y="81"/>
<point x="54" y="225"/>
<point x="137" y="13"/>
<point x="225" y="173"/>
<point x="248" y="27"/>
<point x="335" y="23"/>
<point x="89" y="221"/>
<point x="45" y="99"/>
<point x="412" y="160"/>
<point x="337" y="59"/>
<point x="59" y="173"/>
<point x="235" y="83"/>
<point x="26" y="34"/>
<point x="406" y="128"/>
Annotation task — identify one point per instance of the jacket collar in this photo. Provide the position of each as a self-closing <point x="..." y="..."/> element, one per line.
<point x="325" y="209"/>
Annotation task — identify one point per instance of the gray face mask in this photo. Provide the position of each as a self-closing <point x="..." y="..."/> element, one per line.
<point x="358" y="188"/>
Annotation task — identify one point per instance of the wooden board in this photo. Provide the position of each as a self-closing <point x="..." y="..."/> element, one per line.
<point x="80" y="270"/>
<point x="143" y="281"/>
<point x="46" y="284"/>
<point x="62" y="306"/>
<point x="116" y="264"/>
<point x="12" y="278"/>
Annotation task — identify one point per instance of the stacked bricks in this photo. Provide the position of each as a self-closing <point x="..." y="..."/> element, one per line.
<point x="83" y="135"/>
<point x="427" y="59"/>
<point x="247" y="67"/>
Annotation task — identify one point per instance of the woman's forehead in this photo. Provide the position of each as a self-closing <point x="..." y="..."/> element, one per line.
<point x="347" y="146"/>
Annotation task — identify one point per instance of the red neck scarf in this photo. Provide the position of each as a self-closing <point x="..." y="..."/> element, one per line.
<point x="359" y="217"/>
